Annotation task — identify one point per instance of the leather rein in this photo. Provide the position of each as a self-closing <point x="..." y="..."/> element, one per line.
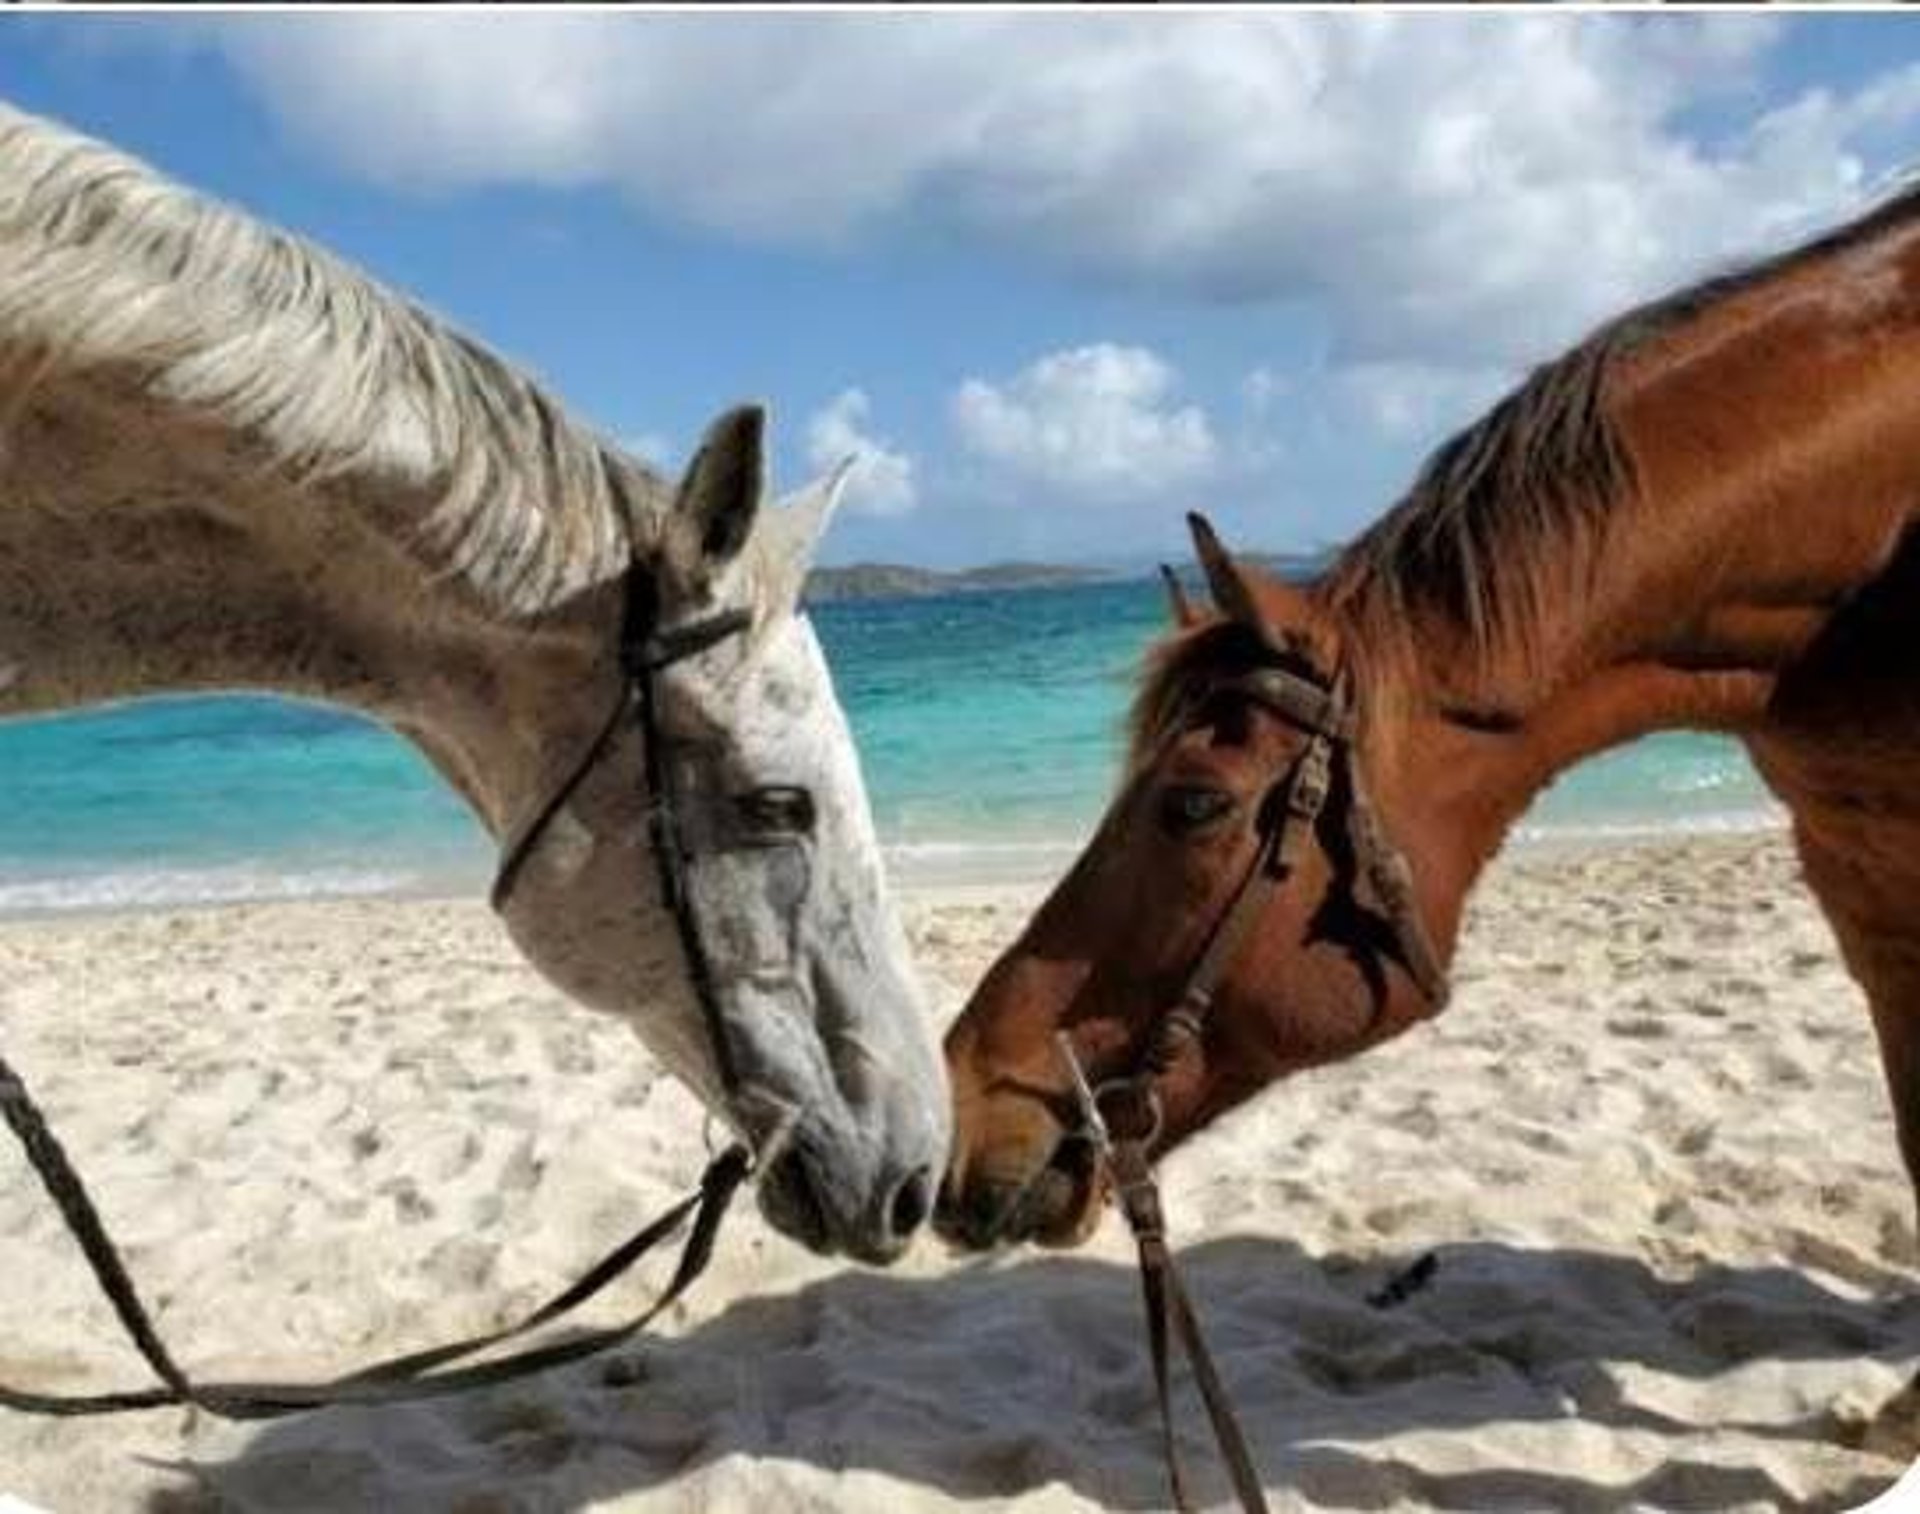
<point x="646" y="649"/>
<point x="1121" y="1117"/>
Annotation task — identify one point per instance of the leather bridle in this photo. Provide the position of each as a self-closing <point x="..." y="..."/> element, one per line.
<point x="1122" y="1117"/>
<point x="1286" y="820"/>
<point x="646" y="649"/>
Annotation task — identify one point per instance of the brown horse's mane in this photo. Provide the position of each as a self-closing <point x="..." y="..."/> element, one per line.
<point x="1502" y="520"/>
<point x="1510" y="513"/>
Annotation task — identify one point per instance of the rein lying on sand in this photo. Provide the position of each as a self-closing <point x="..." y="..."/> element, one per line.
<point x="1122" y="1139"/>
<point x="645" y="649"/>
<point x="415" y="1375"/>
<point x="1168" y="1310"/>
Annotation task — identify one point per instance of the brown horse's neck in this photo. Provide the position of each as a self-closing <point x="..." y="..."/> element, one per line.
<point x="1771" y="438"/>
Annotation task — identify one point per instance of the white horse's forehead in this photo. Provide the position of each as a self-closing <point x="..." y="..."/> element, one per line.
<point x="787" y="692"/>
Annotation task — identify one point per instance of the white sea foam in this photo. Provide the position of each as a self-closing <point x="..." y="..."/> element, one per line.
<point x="1040" y="858"/>
<point x="1759" y="817"/>
<point x="987" y="860"/>
<point x="914" y="851"/>
<point x="940" y="860"/>
<point x="153" y="888"/>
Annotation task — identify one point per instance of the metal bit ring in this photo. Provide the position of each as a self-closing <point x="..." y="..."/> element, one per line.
<point x="1138" y="1089"/>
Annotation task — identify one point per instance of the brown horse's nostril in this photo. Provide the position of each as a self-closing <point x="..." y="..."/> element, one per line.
<point x="912" y="1202"/>
<point x="975" y="1216"/>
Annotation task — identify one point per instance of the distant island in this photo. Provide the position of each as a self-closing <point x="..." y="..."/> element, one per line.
<point x="882" y="580"/>
<point x="876" y="580"/>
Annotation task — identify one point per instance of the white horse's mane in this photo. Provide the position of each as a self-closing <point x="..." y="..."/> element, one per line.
<point x="108" y="269"/>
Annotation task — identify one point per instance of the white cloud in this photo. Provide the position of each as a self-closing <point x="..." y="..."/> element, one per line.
<point x="1096" y="421"/>
<point x="1451" y="188"/>
<point x="1414" y="401"/>
<point x="882" y="481"/>
<point x="1262" y="388"/>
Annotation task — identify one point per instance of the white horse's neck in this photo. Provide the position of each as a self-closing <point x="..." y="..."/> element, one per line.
<point x="229" y="461"/>
<point x="142" y="552"/>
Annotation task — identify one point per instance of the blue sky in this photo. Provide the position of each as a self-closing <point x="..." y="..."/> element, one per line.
<point x="1057" y="278"/>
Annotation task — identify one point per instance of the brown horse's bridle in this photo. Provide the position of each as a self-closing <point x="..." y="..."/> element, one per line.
<point x="1122" y="1116"/>
<point x="1287" y="819"/>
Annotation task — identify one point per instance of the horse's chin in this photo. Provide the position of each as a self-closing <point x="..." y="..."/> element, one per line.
<point x="1071" y="1188"/>
<point x="1056" y="1206"/>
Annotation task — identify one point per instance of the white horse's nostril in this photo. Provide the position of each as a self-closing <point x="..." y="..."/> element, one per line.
<point x="912" y="1202"/>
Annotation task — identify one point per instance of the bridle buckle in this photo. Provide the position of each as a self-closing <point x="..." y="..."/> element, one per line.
<point x="1312" y="780"/>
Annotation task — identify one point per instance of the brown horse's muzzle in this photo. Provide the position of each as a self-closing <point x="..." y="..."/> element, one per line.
<point x="1018" y="1170"/>
<point x="1054" y="1201"/>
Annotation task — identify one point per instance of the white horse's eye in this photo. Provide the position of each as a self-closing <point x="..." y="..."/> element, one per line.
<point x="776" y="810"/>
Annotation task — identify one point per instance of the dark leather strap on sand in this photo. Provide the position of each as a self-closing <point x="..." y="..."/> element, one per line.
<point x="1170" y="1317"/>
<point x="415" y="1375"/>
<point x="646" y="648"/>
<point x="1122" y="1116"/>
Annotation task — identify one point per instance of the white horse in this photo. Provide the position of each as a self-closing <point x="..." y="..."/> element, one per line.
<point x="227" y="461"/>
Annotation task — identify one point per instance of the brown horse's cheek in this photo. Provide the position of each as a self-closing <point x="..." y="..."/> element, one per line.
<point x="1225" y="1082"/>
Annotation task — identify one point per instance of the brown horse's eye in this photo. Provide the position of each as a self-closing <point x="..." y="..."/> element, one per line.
<point x="1188" y="807"/>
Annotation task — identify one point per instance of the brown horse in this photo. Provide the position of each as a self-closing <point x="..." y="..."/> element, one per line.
<point x="1696" y="518"/>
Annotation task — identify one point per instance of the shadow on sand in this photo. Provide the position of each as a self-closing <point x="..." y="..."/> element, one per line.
<point x="1002" y="1378"/>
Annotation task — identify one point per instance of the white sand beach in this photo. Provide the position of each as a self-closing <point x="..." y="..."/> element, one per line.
<point x="1648" y="1144"/>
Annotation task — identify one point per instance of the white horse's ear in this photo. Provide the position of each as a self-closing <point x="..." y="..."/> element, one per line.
<point x="795" y="528"/>
<point x="720" y="494"/>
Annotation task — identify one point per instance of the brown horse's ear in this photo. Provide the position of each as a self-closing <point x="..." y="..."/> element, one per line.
<point x="1184" y="615"/>
<point x="1225" y="577"/>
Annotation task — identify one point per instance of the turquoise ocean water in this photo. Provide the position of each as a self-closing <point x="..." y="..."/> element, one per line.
<point x="989" y="725"/>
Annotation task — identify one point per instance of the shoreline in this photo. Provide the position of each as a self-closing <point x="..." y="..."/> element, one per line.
<point x="916" y="867"/>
